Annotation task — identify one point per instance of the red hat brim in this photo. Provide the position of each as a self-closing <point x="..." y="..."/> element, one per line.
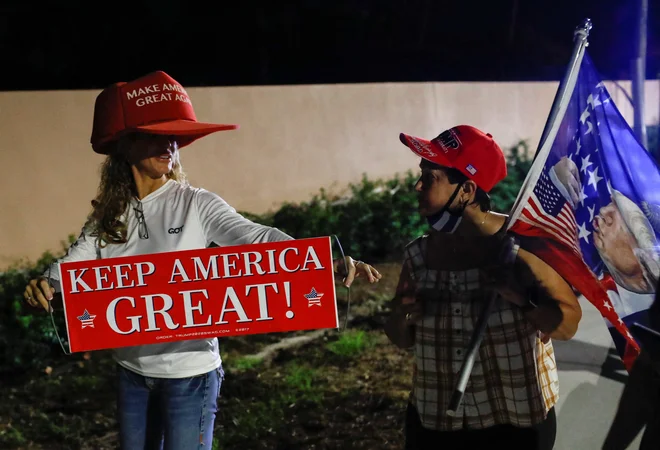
<point x="185" y="128"/>
<point x="186" y="131"/>
<point x="425" y="150"/>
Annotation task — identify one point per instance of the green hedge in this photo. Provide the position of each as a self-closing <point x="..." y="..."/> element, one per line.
<point x="373" y="222"/>
<point x="27" y="337"/>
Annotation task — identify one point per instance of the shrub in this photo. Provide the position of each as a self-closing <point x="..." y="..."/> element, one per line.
<point x="27" y="338"/>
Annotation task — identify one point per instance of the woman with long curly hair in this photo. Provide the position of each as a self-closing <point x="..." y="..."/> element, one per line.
<point x="167" y="396"/>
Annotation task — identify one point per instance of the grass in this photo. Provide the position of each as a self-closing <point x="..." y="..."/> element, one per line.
<point x="302" y="383"/>
<point x="11" y="437"/>
<point x="350" y="344"/>
<point x="245" y="363"/>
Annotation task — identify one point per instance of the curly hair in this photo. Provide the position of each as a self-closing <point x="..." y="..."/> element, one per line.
<point x="116" y="188"/>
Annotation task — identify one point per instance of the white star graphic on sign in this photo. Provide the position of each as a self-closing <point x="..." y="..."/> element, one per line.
<point x="583" y="196"/>
<point x="585" y="164"/>
<point x="620" y="321"/>
<point x="584" y="233"/>
<point x="584" y="116"/>
<point x="607" y="305"/>
<point x="578" y="147"/>
<point x="594" y="178"/>
<point x="591" y="213"/>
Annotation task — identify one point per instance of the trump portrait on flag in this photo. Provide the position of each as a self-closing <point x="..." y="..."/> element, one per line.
<point x="623" y="238"/>
<point x="591" y="205"/>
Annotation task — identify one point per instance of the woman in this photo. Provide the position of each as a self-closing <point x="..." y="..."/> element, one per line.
<point x="447" y="277"/>
<point x="167" y="392"/>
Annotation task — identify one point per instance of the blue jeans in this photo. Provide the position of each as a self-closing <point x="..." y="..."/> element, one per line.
<point x="167" y="413"/>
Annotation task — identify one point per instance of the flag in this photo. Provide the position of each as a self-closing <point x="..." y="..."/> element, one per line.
<point x="590" y="208"/>
<point x="313" y="298"/>
<point x="87" y="319"/>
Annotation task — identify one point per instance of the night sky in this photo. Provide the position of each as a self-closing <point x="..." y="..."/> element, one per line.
<point x="313" y="41"/>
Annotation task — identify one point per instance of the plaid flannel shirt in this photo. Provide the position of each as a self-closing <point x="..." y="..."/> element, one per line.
<point x="514" y="378"/>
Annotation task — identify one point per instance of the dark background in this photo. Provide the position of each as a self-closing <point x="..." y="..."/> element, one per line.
<point x="88" y="45"/>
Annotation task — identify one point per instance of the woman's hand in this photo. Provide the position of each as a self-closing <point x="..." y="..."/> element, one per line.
<point x="355" y="270"/>
<point x="39" y="292"/>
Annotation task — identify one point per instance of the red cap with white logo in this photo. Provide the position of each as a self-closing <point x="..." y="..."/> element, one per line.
<point x="154" y="104"/>
<point x="466" y="149"/>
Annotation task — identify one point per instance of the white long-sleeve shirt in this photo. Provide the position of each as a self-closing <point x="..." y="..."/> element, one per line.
<point x="177" y="217"/>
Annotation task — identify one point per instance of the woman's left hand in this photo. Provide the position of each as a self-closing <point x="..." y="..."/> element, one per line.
<point x="356" y="269"/>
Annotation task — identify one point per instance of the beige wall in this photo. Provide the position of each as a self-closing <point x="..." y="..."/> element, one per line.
<point x="293" y="140"/>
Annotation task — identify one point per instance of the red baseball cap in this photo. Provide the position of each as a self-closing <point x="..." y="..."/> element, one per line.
<point x="155" y="104"/>
<point x="466" y="149"/>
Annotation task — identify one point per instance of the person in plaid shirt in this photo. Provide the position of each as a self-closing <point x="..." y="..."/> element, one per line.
<point x="447" y="278"/>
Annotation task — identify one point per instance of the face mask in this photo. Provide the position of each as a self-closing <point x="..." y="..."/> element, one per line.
<point x="445" y="220"/>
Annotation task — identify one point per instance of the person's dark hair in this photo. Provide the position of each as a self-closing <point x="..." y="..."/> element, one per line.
<point x="455" y="176"/>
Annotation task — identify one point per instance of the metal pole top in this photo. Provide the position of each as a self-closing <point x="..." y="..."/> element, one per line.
<point x="584" y="29"/>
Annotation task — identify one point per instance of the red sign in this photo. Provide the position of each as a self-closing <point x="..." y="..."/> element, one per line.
<point x="197" y="294"/>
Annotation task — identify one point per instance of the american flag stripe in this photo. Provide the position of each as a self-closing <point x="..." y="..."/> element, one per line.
<point x="564" y="221"/>
<point x="534" y="214"/>
<point x="539" y="231"/>
<point x="549" y="232"/>
<point x="567" y="218"/>
<point x="567" y="214"/>
<point x="539" y="219"/>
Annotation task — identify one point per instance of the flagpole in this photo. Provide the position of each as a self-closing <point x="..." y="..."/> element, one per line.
<point x="559" y="106"/>
<point x="580" y="35"/>
<point x="557" y="112"/>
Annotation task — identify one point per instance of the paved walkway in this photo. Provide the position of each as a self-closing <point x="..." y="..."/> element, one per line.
<point x="591" y="378"/>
